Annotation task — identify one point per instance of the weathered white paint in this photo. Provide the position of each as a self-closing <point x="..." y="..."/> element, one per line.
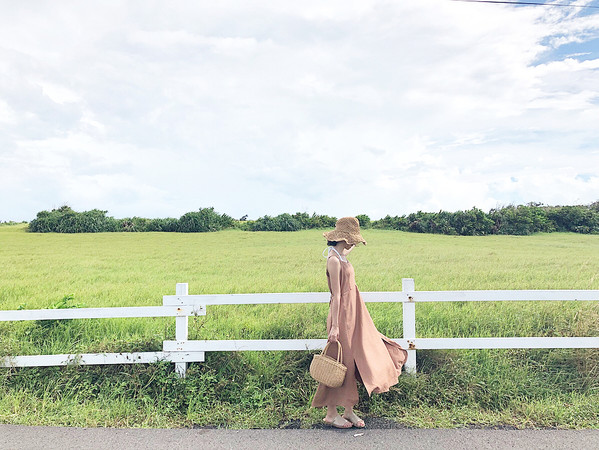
<point x="525" y="295"/>
<point x="181" y="328"/>
<point x="270" y="298"/>
<point x="399" y="296"/>
<point x="99" y="358"/>
<point x="506" y="342"/>
<point x="244" y="345"/>
<point x="247" y="299"/>
<point x="103" y="313"/>
<point x="181" y="350"/>
<point x="409" y="323"/>
<point x="418" y="343"/>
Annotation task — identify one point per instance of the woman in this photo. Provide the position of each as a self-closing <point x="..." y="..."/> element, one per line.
<point x="369" y="356"/>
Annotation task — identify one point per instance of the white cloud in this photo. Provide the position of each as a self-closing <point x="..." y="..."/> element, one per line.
<point x="7" y="115"/>
<point x="155" y="109"/>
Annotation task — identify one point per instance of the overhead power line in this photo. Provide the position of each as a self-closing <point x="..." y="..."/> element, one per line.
<point x="564" y="5"/>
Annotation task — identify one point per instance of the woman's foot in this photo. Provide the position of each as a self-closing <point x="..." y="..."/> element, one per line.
<point x="355" y="420"/>
<point x="337" y="422"/>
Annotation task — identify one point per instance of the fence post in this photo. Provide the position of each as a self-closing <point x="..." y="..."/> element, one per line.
<point x="181" y="329"/>
<point x="409" y="323"/>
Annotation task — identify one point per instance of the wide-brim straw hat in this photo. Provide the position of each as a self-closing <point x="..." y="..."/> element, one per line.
<point x="346" y="229"/>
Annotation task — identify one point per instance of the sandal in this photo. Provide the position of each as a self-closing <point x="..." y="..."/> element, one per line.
<point x="338" y="422"/>
<point x="357" y="422"/>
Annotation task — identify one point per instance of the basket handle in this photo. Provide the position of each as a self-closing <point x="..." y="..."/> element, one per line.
<point x="339" y="351"/>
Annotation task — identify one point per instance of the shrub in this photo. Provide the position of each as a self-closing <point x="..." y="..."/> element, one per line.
<point x="322" y="221"/>
<point x="65" y="220"/>
<point x="303" y="219"/>
<point x="288" y="223"/>
<point x="244" y="225"/>
<point x="473" y="222"/>
<point x="204" y="220"/>
<point x="391" y="223"/>
<point x="364" y="220"/>
<point x="265" y="223"/>
<point x="132" y="224"/>
<point x="315" y="221"/>
<point x="520" y="220"/>
<point x="580" y="219"/>
<point x="282" y="222"/>
<point x="168" y="224"/>
<point x="44" y="222"/>
<point x="515" y="220"/>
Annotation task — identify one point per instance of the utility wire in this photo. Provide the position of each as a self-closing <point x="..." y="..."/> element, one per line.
<point x="529" y="3"/>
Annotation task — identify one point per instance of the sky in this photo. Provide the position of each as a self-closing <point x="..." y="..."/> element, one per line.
<point x="154" y="109"/>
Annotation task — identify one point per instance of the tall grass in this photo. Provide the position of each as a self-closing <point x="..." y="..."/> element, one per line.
<point x="453" y="388"/>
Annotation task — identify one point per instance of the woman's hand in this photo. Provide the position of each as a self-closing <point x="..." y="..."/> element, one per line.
<point x="334" y="334"/>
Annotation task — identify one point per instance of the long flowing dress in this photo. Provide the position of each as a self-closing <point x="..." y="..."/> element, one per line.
<point x="370" y="356"/>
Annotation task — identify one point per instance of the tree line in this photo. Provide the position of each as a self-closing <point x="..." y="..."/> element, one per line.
<point x="512" y="219"/>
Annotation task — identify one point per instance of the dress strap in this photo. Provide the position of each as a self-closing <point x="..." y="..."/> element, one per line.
<point x="335" y="250"/>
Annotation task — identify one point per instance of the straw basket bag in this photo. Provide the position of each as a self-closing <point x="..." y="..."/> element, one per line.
<point x="326" y="370"/>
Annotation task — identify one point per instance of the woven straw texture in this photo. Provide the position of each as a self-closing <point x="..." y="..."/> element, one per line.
<point x="346" y="229"/>
<point x="327" y="370"/>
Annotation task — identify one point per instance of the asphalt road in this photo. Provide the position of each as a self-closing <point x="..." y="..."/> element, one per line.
<point x="24" y="437"/>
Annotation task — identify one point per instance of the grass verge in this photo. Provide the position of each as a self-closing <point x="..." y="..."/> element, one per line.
<point x="519" y="388"/>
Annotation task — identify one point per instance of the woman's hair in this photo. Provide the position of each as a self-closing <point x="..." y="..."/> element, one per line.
<point x="331" y="243"/>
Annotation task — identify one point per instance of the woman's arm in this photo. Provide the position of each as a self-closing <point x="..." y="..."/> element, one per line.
<point x="334" y="268"/>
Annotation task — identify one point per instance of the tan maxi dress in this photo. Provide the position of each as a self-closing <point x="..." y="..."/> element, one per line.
<point x="369" y="356"/>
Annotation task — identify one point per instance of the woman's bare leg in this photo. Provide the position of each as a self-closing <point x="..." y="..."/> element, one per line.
<point x="331" y="412"/>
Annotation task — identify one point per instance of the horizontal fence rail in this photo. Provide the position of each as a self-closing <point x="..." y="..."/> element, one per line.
<point x="102" y="358"/>
<point x="395" y="297"/>
<point x="419" y="343"/>
<point x="103" y="313"/>
<point x="182" y="305"/>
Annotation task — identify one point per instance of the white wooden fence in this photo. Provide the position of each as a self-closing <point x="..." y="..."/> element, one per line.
<point x="182" y="305"/>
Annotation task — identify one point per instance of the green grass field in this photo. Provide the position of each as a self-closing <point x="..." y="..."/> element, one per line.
<point x="523" y="388"/>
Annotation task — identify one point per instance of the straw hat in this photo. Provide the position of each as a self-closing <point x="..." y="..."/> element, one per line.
<point x="346" y="229"/>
